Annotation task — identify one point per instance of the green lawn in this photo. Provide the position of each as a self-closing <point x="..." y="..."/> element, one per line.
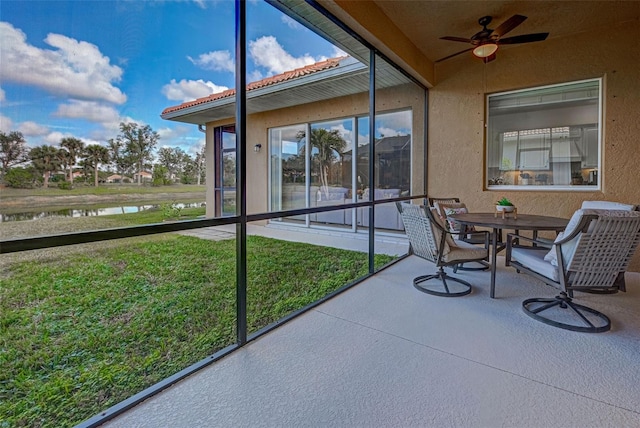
<point x="82" y="331"/>
<point x="103" y="189"/>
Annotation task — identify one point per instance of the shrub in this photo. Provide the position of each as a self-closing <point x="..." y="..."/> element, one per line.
<point x="64" y="185"/>
<point x="171" y="211"/>
<point x="160" y="174"/>
<point x="22" y="178"/>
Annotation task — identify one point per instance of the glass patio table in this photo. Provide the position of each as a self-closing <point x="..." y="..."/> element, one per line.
<point x="530" y="222"/>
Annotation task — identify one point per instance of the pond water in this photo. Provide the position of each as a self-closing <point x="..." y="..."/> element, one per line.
<point x="88" y="211"/>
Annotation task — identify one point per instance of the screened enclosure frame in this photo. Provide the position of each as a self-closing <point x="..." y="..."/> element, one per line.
<point x="241" y="219"/>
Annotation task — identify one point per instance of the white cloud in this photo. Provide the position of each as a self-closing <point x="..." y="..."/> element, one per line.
<point x="88" y="141"/>
<point x="171" y="133"/>
<point x="363" y="139"/>
<point x="6" y="124"/>
<point x="255" y="76"/>
<point x="268" y="53"/>
<point x="337" y="52"/>
<point x="89" y="110"/>
<point x="33" y="129"/>
<point x="73" y="68"/>
<point x="55" y="137"/>
<point x="388" y="132"/>
<point x="182" y="136"/>
<point x="3" y="96"/>
<point x="196" y="146"/>
<point x="344" y="133"/>
<point x="215" y="60"/>
<point x="398" y="123"/>
<point x="291" y="23"/>
<point x="187" y="90"/>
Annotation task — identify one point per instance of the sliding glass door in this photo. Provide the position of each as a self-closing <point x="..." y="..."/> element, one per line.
<point x="225" y="170"/>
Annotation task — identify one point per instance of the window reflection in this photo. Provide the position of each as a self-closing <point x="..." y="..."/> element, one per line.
<point x="545" y="137"/>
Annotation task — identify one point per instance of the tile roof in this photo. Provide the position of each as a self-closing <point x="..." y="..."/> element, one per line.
<point x="268" y="81"/>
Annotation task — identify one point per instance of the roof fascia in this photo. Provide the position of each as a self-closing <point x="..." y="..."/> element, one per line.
<point x="345" y="67"/>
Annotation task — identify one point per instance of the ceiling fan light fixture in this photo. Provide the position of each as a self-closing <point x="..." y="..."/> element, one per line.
<point x="485" y="50"/>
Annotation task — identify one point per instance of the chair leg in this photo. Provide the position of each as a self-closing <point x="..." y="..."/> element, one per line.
<point x="565" y="314"/>
<point x="483" y="266"/>
<point x="454" y="288"/>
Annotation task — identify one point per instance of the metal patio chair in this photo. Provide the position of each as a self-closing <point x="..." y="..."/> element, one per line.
<point x="431" y="241"/>
<point x="591" y="255"/>
<point x="443" y="206"/>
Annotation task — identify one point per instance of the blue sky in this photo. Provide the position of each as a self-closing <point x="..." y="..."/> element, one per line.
<point x="79" y="68"/>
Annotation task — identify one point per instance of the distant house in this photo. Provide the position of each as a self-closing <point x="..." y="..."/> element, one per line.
<point x="145" y="176"/>
<point x="116" y="178"/>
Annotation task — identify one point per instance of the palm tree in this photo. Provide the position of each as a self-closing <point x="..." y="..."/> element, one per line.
<point x="75" y="147"/>
<point x="96" y="155"/>
<point x="65" y="162"/>
<point x="45" y="160"/>
<point x="330" y="146"/>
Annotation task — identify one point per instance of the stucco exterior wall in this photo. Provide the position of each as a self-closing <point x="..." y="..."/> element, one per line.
<point x="258" y="125"/>
<point x="457" y="110"/>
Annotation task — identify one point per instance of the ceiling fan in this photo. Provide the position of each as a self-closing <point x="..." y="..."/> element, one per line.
<point x="486" y="41"/>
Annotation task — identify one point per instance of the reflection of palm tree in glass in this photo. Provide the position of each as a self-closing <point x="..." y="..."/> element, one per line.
<point x="330" y="146"/>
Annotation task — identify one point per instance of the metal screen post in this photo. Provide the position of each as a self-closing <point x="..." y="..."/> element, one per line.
<point x="241" y="173"/>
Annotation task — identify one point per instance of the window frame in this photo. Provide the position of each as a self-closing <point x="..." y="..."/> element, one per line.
<point x="545" y="149"/>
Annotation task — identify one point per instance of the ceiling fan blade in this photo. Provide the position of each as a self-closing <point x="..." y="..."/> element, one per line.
<point x="456" y="39"/>
<point x="455" y="54"/>
<point x="508" y="25"/>
<point x="525" y="38"/>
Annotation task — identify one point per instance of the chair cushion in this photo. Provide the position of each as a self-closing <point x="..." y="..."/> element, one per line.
<point x="452" y="208"/>
<point x="464" y="251"/>
<point x="551" y="256"/>
<point x="535" y="260"/>
<point x="452" y="224"/>
<point x="442" y="206"/>
<point x="449" y="242"/>
<point x="606" y="205"/>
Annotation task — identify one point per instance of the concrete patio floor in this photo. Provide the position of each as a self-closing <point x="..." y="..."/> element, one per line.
<point x="383" y="354"/>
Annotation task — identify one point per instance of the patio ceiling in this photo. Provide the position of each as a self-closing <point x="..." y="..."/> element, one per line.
<point x="421" y="23"/>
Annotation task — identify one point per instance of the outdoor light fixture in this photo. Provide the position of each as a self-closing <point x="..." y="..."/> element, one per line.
<point x="257" y="148"/>
<point x="485" y="50"/>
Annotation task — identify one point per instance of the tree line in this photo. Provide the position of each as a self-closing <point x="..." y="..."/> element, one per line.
<point x="128" y="155"/>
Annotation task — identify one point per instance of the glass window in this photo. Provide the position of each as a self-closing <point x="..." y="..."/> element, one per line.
<point x="328" y="176"/>
<point x="288" y="171"/>
<point x="331" y="161"/>
<point x="225" y="170"/>
<point x="547" y="137"/>
<point x="393" y="154"/>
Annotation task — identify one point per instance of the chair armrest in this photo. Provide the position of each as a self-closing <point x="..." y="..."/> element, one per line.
<point x="486" y="235"/>
<point x="517" y="237"/>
